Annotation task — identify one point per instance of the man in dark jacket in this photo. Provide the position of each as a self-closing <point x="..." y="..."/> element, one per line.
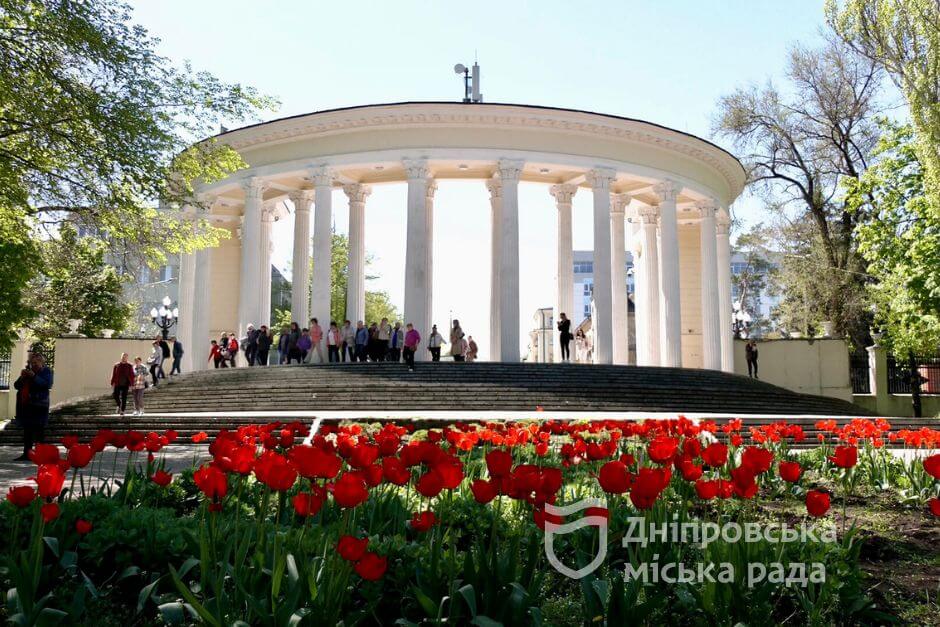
<point x="177" y="356"/>
<point x="32" y="402"/>
<point x="165" y="349"/>
<point x="264" y="340"/>
<point x="250" y="344"/>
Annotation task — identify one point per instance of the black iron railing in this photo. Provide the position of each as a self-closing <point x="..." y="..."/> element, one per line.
<point x="859" y="372"/>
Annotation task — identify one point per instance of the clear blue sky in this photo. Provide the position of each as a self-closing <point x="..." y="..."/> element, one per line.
<point x="667" y="62"/>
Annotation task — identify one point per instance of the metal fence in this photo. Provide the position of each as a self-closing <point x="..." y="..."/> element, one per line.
<point x="859" y="372"/>
<point x="5" y="371"/>
<point x="899" y="374"/>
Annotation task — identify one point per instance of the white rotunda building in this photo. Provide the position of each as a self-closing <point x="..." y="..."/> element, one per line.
<point x="660" y="193"/>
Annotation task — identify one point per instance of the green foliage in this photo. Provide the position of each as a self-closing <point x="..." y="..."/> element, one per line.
<point x="96" y="128"/>
<point x="19" y="257"/>
<point x="753" y="280"/>
<point x="900" y="241"/>
<point x="75" y="282"/>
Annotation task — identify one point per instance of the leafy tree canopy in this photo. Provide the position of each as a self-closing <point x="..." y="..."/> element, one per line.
<point x="96" y="128"/>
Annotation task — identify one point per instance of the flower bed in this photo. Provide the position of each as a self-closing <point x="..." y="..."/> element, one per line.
<point x="466" y="523"/>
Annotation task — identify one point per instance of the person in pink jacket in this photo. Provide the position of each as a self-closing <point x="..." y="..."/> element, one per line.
<point x="412" y="339"/>
<point x="316" y="341"/>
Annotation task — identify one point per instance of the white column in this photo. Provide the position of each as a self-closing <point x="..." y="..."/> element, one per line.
<point x="602" y="323"/>
<point x="711" y="337"/>
<point x="300" y="281"/>
<point x="564" y="274"/>
<point x="417" y="279"/>
<point x="671" y="352"/>
<point x="248" y="304"/>
<point x="618" y="279"/>
<point x="429" y="203"/>
<point x="198" y="348"/>
<point x="723" y="258"/>
<point x="495" y="187"/>
<point x="184" y="324"/>
<point x="356" y="266"/>
<point x="649" y="284"/>
<point x="509" y="173"/>
<point x="321" y="291"/>
<point x="264" y="303"/>
<point x="635" y="246"/>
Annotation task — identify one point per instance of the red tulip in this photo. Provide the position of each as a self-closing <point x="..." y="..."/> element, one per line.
<point x="21" y="496"/>
<point x="429" y="484"/>
<point x="202" y="436"/>
<point x="80" y="455"/>
<point x="790" y="471"/>
<point x="932" y="466"/>
<point x="307" y="503"/>
<point x="371" y="567"/>
<point x="817" y="503"/>
<point x="161" y="478"/>
<point x="935" y="506"/>
<point x="423" y="521"/>
<point x="350" y="490"/>
<point x="450" y="471"/>
<point x="363" y="455"/>
<point x="212" y="482"/>
<point x="742" y="481"/>
<point x="82" y="526"/>
<point x="706" y="489"/>
<point x="483" y="491"/>
<point x="614" y="478"/>
<point x="649" y="484"/>
<point x="49" y="512"/>
<point x="314" y="463"/>
<point x="498" y="463"/>
<point x="274" y="471"/>
<point x="44" y="454"/>
<point x="845" y="456"/>
<point x="757" y="459"/>
<point x="689" y="470"/>
<point x="49" y="480"/>
<point x="662" y="449"/>
<point x="394" y="471"/>
<point x="351" y="548"/>
<point x="715" y="454"/>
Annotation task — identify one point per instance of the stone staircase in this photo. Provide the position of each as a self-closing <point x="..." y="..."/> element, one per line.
<point x="442" y="386"/>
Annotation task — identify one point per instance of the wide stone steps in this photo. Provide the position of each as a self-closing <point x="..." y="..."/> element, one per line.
<point x="434" y="387"/>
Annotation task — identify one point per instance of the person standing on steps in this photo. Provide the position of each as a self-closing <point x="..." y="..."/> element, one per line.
<point x="293" y="348"/>
<point x="316" y="341"/>
<point x="155" y="362"/>
<point x="348" y="346"/>
<point x="232" y="350"/>
<point x="372" y="346"/>
<point x="32" y="401"/>
<point x="304" y="344"/>
<point x="564" y="336"/>
<point x="283" y="346"/>
<point x="412" y="339"/>
<point x="140" y="384"/>
<point x="383" y="337"/>
<point x="122" y="377"/>
<point x="362" y="341"/>
<point x="334" y="339"/>
<point x="457" y="347"/>
<point x="177" y="356"/>
<point x="472" y="349"/>
<point x="435" y="341"/>
<point x="395" y="343"/>
<point x="264" y="346"/>
<point x="165" y="350"/>
<point x="250" y="344"/>
<point x="459" y="350"/>
<point x="215" y="354"/>
<point x="750" y="355"/>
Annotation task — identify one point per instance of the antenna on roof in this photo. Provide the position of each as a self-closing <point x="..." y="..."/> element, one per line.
<point x="471" y="84"/>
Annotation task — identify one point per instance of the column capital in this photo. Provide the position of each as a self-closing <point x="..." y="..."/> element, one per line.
<point x="357" y="192"/>
<point x="321" y="175"/>
<point x="619" y="202"/>
<point x="269" y="211"/>
<point x="430" y="189"/>
<point x="707" y="208"/>
<point x="723" y="218"/>
<point x="667" y="190"/>
<point x="563" y="193"/>
<point x="254" y="188"/>
<point x="495" y="186"/>
<point x="648" y="214"/>
<point x="600" y="178"/>
<point x="510" y="170"/>
<point x="416" y="168"/>
<point x="205" y="203"/>
<point x="302" y="198"/>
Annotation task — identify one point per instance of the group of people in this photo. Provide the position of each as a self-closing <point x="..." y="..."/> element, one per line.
<point x="133" y="378"/>
<point x="379" y="341"/>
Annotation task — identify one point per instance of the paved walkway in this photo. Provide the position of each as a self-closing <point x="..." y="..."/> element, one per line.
<point x="177" y="456"/>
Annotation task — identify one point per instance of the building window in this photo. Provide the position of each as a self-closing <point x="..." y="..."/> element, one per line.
<point x="583" y="267"/>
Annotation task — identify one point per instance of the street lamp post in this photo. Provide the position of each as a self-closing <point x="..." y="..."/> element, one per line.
<point x="165" y="317"/>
